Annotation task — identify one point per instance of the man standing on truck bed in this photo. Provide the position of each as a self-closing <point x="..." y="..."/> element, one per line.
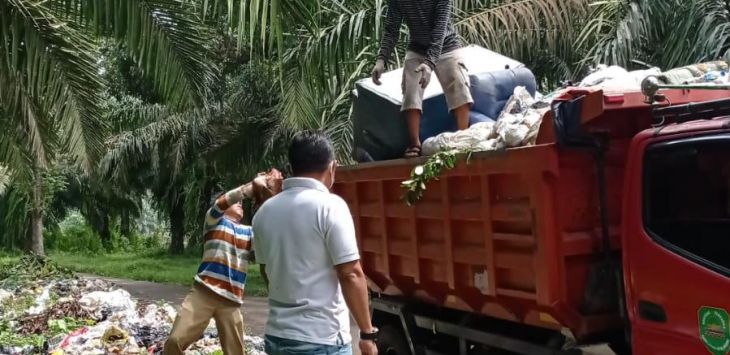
<point x="306" y="247"/>
<point x="434" y="46"/>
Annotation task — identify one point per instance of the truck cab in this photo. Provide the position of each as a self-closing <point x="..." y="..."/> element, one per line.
<point x="676" y="237"/>
<point x="610" y="233"/>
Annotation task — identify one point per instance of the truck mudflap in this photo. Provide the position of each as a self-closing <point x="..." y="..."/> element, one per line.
<point x="422" y="328"/>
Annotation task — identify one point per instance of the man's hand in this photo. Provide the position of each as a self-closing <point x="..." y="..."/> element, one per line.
<point x="425" y="71"/>
<point x="266" y="185"/>
<point x="378" y="71"/>
<point x="368" y="347"/>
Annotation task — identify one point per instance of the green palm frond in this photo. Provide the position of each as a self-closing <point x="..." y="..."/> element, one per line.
<point x="132" y="149"/>
<point x="49" y="82"/>
<point x="615" y="32"/>
<point x="5" y="177"/>
<point x="30" y="129"/>
<point x="515" y="27"/>
<point x="694" y="31"/>
<point x="166" y="38"/>
<point x="306" y="105"/>
<point x="662" y="33"/>
<point x="346" y="38"/>
<point x="262" y="24"/>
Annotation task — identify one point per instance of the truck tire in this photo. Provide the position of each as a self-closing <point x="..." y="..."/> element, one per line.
<point x="392" y="341"/>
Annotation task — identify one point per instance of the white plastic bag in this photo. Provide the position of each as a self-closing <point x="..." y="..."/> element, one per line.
<point x="118" y="302"/>
<point x="518" y="125"/>
<point x="473" y="138"/>
<point x="601" y="74"/>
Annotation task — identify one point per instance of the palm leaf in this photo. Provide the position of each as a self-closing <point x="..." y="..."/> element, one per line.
<point x="49" y="82"/>
<point x="662" y="33"/>
<point x="166" y="38"/>
<point x="5" y="177"/>
<point x="515" y="27"/>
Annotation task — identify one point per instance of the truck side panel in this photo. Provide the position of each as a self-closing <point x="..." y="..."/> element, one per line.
<point x="512" y="235"/>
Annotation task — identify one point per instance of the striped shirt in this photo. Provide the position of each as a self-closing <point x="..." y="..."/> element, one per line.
<point x="226" y="251"/>
<point x="429" y="25"/>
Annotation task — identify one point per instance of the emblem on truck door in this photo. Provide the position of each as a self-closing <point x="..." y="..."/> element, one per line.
<point x="715" y="329"/>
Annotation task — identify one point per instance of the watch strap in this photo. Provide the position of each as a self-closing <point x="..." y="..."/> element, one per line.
<point x="370" y="336"/>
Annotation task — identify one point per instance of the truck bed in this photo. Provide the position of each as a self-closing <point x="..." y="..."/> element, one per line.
<point x="514" y="235"/>
<point x="511" y="234"/>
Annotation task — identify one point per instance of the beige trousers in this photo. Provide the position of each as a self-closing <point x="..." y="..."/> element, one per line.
<point x="451" y="73"/>
<point x="197" y="309"/>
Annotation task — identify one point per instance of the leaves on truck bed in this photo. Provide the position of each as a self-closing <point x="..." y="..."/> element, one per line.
<point x="421" y="175"/>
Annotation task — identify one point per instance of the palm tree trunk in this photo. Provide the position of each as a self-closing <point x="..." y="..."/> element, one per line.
<point x="105" y="231"/>
<point x="125" y="225"/>
<point x="36" y="239"/>
<point x="177" y="227"/>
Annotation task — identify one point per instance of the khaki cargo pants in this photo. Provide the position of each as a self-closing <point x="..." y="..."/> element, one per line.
<point x="197" y="309"/>
<point x="451" y="73"/>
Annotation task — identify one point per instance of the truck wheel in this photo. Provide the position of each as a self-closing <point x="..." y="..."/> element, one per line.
<point x="392" y="341"/>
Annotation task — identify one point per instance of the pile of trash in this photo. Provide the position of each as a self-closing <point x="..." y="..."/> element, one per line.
<point x="63" y="314"/>
<point x="520" y="120"/>
<point x="617" y="79"/>
<point x="517" y="126"/>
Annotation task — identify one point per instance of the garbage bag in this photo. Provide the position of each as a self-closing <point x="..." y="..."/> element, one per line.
<point x="601" y="74"/>
<point x="691" y="73"/>
<point x="41" y="302"/>
<point x="4" y="295"/>
<point x="476" y="138"/>
<point x="518" y="125"/>
<point x="631" y="81"/>
<point x="116" y="304"/>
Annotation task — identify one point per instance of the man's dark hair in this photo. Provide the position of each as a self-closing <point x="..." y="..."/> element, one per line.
<point x="310" y="152"/>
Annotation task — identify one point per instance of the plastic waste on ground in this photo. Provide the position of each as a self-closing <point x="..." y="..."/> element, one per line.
<point x="118" y="324"/>
<point x="518" y="125"/>
<point x="4" y="294"/>
<point x="40" y="302"/>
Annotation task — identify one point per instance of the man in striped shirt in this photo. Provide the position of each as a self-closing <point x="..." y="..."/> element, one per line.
<point x="434" y="46"/>
<point x="221" y="279"/>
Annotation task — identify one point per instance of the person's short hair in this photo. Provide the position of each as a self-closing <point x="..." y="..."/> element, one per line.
<point x="310" y="152"/>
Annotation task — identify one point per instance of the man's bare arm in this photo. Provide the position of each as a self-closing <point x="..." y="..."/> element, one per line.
<point x="355" y="289"/>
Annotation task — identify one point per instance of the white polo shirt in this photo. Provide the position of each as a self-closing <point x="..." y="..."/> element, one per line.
<point x="301" y="234"/>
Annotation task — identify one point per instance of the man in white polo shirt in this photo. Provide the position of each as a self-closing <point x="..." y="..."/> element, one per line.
<point x="305" y="244"/>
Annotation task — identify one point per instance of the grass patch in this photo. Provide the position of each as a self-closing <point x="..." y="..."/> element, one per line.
<point x="150" y="266"/>
<point x="8" y="258"/>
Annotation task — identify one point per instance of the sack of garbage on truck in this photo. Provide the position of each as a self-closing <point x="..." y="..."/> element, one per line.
<point x="496" y="81"/>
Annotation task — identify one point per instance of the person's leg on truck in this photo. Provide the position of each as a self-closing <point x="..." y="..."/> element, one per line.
<point x="412" y="107"/>
<point x="454" y="80"/>
<point x="452" y="75"/>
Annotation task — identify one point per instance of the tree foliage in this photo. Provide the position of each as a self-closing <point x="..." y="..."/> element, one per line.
<point x="108" y="102"/>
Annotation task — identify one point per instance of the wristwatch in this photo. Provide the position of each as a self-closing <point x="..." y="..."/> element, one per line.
<point x="372" y="336"/>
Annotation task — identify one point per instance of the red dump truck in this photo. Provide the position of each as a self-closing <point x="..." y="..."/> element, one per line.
<point x="614" y="228"/>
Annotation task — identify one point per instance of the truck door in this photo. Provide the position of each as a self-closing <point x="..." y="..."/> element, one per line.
<point x="677" y="244"/>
